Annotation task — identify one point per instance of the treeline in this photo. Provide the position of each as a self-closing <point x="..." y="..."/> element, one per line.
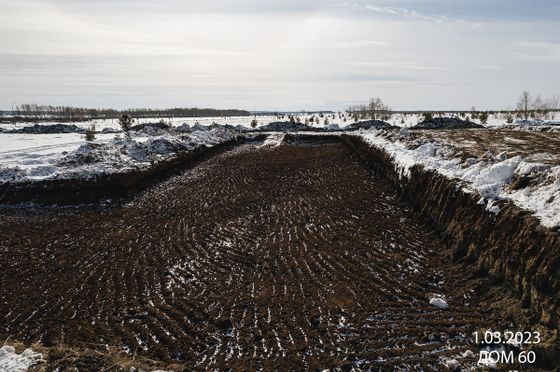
<point x="375" y="109"/>
<point x="70" y="113"/>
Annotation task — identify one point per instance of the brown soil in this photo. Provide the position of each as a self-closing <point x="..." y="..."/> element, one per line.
<point x="272" y="258"/>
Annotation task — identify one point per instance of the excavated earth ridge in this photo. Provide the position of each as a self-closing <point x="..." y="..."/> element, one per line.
<point x="290" y="257"/>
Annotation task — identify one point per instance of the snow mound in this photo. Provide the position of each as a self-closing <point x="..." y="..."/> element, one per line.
<point x="490" y="175"/>
<point x="274" y="139"/>
<point x="119" y="155"/>
<point x="438" y="301"/>
<point x="10" y="361"/>
<point x="185" y="128"/>
<point x="123" y="153"/>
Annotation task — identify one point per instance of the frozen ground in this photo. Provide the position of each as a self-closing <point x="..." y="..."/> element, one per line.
<point x="520" y="166"/>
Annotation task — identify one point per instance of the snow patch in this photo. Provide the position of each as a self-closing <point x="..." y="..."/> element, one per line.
<point x="438" y="301"/>
<point x="10" y="361"/>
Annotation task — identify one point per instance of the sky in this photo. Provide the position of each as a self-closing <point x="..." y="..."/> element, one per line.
<point x="278" y="54"/>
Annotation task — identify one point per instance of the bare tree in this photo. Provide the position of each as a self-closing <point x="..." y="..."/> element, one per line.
<point x="524" y="104"/>
<point x="377" y="108"/>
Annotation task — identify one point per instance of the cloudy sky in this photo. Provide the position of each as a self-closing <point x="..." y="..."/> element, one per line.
<point x="278" y="54"/>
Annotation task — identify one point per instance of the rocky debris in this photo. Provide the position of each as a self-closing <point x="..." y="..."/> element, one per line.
<point x="368" y="124"/>
<point x="47" y="129"/>
<point x="447" y="123"/>
<point x="285" y="126"/>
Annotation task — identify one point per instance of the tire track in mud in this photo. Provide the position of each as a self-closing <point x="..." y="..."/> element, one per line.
<point x="260" y="258"/>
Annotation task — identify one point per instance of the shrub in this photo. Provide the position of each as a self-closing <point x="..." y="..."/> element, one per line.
<point x="254" y="123"/>
<point x="428" y="116"/>
<point x="326" y="121"/>
<point x="90" y="133"/>
<point x="509" y="119"/>
<point x="483" y="117"/>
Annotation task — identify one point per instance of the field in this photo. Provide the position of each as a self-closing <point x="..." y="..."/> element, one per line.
<point x="262" y="257"/>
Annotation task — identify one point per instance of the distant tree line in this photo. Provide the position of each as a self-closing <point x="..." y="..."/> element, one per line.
<point x="374" y="109"/>
<point x="70" y="113"/>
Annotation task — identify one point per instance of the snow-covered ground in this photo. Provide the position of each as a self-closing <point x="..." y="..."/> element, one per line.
<point x="490" y="175"/>
<point x="245" y="121"/>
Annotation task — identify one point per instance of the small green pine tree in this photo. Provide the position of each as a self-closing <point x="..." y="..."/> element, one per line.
<point x="90" y="133"/>
<point x="126" y="124"/>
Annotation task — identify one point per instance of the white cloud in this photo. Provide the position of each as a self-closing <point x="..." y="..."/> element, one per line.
<point x="411" y="14"/>
<point x="358" y="44"/>
<point x="537" y="51"/>
<point x="401" y="65"/>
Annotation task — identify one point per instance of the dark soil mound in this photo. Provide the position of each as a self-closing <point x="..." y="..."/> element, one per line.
<point x="447" y="123"/>
<point x="48" y="129"/>
<point x="368" y="124"/>
<point x="285" y="126"/>
<point x="149" y="126"/>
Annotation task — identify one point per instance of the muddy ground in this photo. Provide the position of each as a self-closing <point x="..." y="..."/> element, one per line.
<point x="260" y="258"/>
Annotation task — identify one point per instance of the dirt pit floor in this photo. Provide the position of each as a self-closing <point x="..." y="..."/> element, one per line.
<point x="274" y="258"/>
